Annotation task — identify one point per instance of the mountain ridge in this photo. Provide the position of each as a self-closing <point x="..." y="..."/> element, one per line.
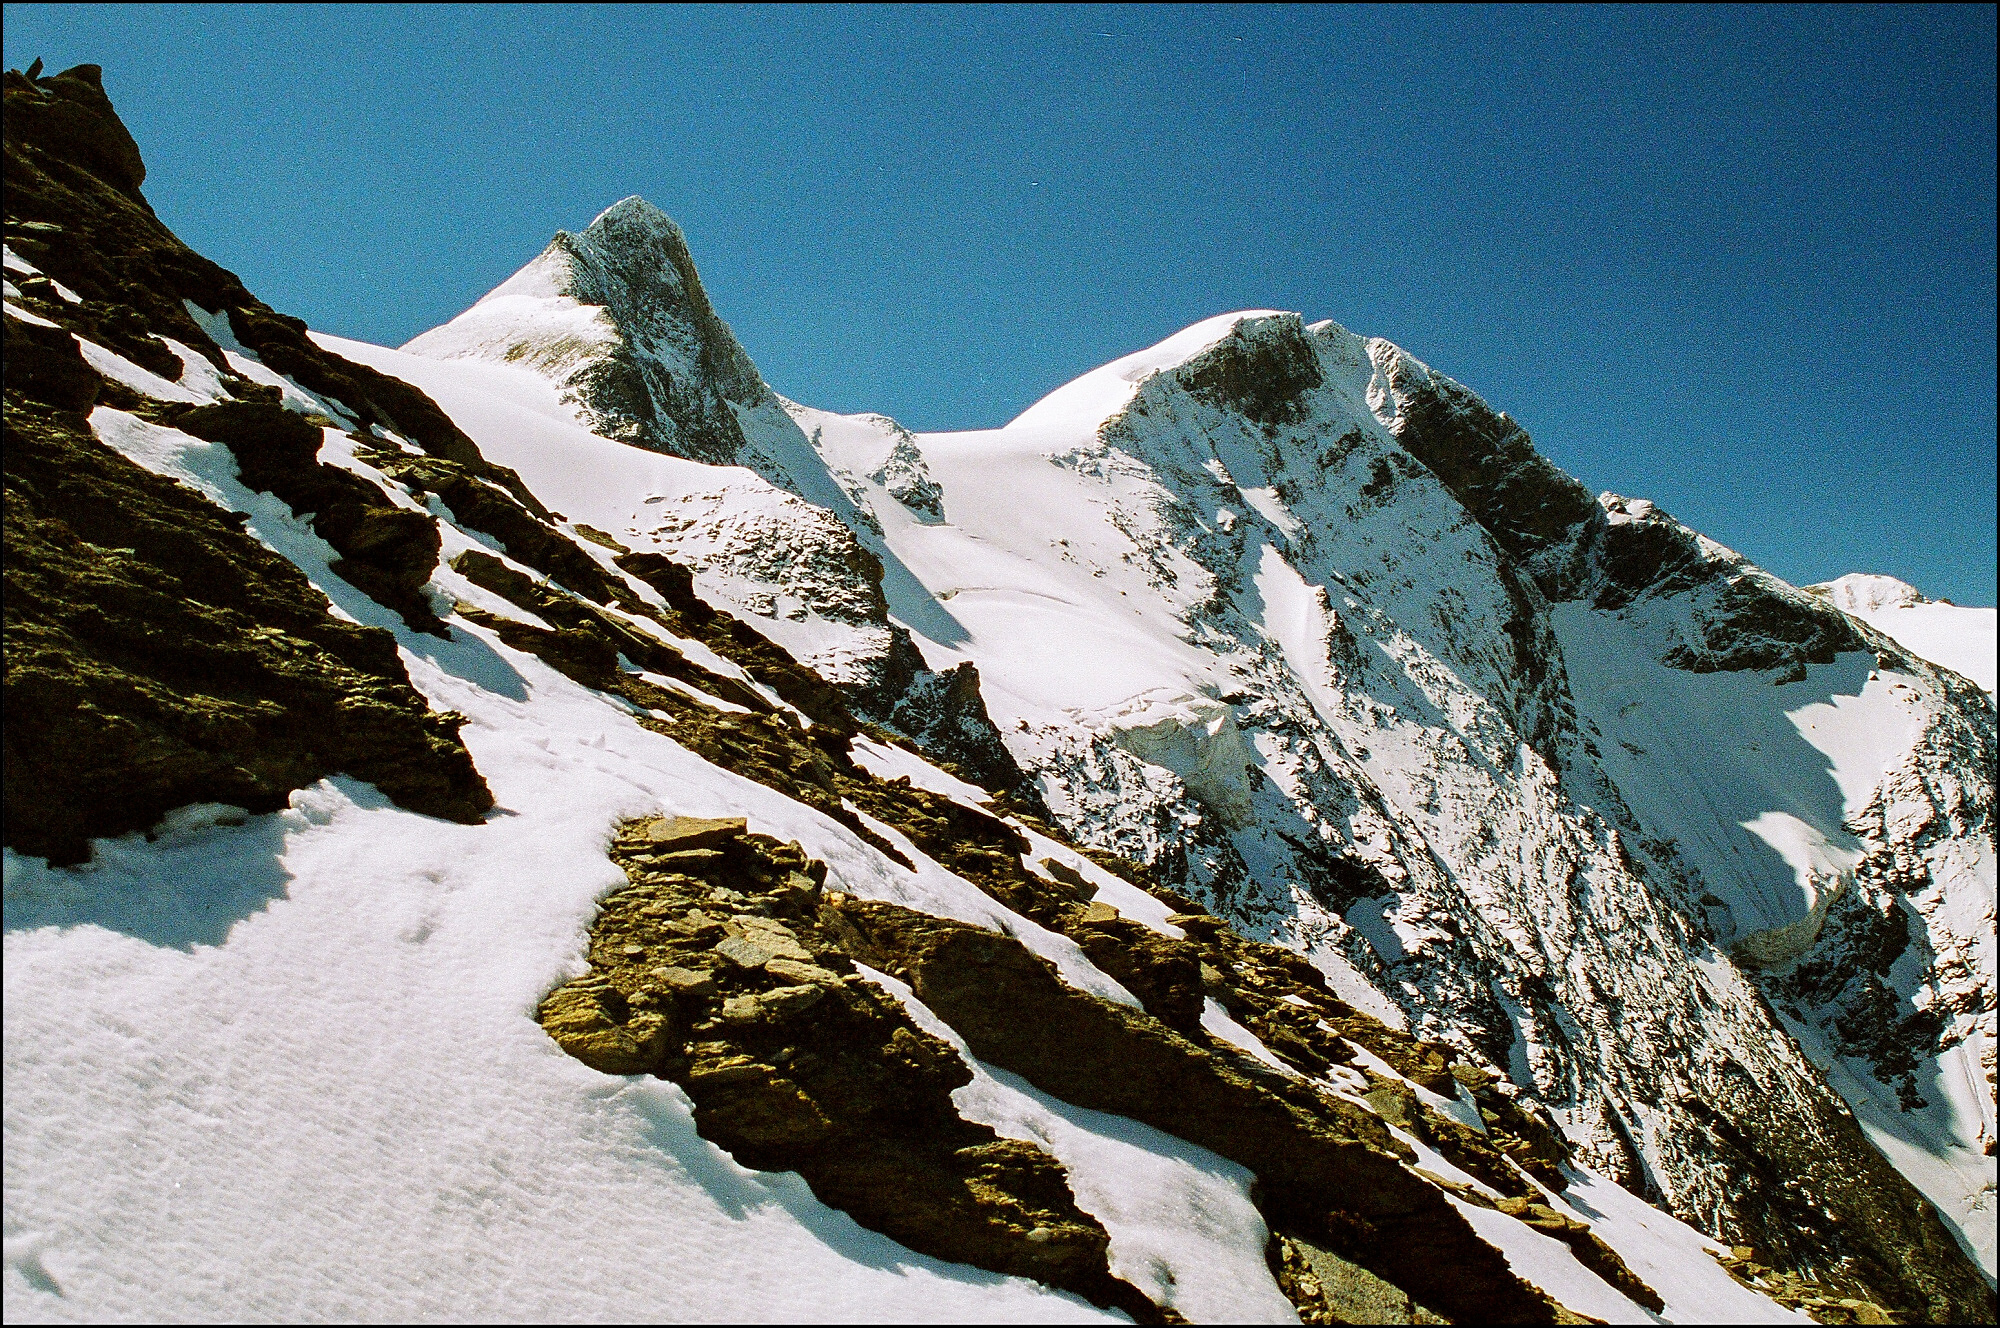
<point x="1700" y="608"/>
<point x="604" y="679"/>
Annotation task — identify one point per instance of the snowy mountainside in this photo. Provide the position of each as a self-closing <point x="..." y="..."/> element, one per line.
<point x="1960" y="639"/>
<point x="1181" y="521"/>
<point x="615" y="318"/>
<point x="850" y="1034"/>
<point x="847" y="1035"/>
<point x="616" y="315"/>
<point x="1315" y="604"/>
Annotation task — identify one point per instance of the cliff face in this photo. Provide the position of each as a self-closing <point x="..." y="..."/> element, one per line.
<point x="1248" y="840"/>
<point x="157" y="653"/>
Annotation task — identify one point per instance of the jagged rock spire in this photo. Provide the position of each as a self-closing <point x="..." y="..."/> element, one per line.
<point x="617" y="317"/>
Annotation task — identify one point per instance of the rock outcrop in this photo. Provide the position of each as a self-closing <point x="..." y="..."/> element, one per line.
<point x="715" y="968"/>
<point x="157" y="655"/>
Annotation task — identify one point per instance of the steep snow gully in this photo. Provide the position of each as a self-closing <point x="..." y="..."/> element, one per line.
<point x="1531" y="902"/>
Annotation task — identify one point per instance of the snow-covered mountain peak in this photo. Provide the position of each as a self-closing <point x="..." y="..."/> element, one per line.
<point x="1864" y="592"/>
<point x="1538" y="832"/>
<point x="616" y="317"/>
<point x="1959" y="638"/>
<point x="1086" y="402"/>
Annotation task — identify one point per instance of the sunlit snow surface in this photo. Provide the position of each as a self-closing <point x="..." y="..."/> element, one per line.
<point x="1059" y="568"/>
<point x="1755" y="782"/>
<point x="1961" y="639"/>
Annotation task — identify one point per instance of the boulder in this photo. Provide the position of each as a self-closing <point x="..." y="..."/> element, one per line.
<point x="690" y="981"/>
<point x="675" y="834"/>
<point x="795" y="971"/>
<point x="1070" y="877"/>
<point x="580" y="1018"/>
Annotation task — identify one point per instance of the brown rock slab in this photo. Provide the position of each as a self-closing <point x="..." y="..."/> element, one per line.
<point x="1070" y="877"/>
<point x="770" y="1006"/>
<point x="769" y="935"/>
<point x="679" y="833"/>
<point x="744" y="952"/>
<point x="578" y="1018"/>
<point x="796" y="971"/>
<point x="692" y="981"/>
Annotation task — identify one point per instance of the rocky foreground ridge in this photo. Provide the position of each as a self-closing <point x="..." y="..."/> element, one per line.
<point x="1392" y="933"/>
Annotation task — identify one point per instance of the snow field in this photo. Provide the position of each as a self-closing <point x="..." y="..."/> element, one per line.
<point x="328" y="1070"/>
<point x="1959" y="638"/>
<point x="1121" y="543"/>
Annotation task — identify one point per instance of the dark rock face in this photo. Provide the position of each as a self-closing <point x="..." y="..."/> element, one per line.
<point x="740" y="643"/>
<point x="1259" y="371"/>
<point x="389" y="552"/>
<point x="156" y="655"/>
<point x="487" y="507"/>
<point x="1743" y="618"/>
<point x="1611" y="555"/>
<point x="715" y="969"/>
<point x="69" y="115"/>
<point x="1524" y="500"/>
<point x="942" y="714"/>
<point x="668" y="379"/>
<point x="1311" y="1153"/>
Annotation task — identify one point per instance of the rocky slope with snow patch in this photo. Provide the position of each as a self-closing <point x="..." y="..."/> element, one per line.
<point x="1263" y="687"/>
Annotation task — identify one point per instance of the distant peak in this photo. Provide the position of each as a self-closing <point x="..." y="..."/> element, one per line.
<point x="1865" y="592"/>
<point x="1104" y="391"/>
<point x="615" y="315"/>
<point x="631" y="238"/>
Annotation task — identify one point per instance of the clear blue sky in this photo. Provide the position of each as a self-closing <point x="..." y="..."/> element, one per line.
<point x="1738" y="261"/>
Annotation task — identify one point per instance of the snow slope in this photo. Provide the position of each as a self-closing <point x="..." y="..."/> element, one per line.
<point x="1298" y="674"/>
<point x="298" y="1051"/>
<point x="1291" y="663"/>
<point x="1960" y="639"/>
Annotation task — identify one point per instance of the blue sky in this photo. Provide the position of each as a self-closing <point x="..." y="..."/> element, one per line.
<point x="1739" y="261"/>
